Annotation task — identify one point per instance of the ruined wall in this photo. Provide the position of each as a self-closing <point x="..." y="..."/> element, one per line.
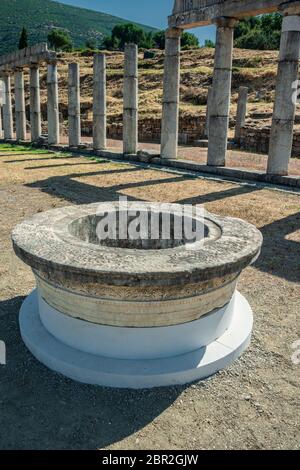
<point x="190" y="129"/>
<point x="255" y="139"/>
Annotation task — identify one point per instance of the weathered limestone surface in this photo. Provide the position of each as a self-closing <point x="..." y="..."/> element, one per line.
<point x="52" y="104"/>
<point x="220" y="100"/>
<point x="241" y="112"/>
<point x="130" y="97"/>
<point x="99" y="102"/>
<point x="25" y="57"/>
<point x="74" y="105"/>
<point x="7" y="109"/>
<point x="287" y="83"/>
<point x="192" y="13"/>
<point x="208" y="108"/>
<point x="170" y="111"/>
<point x="144" y="341"/>
<point x="61" y="248"/>
<point x="35" y="103"/>
<point x="20" y="105"/>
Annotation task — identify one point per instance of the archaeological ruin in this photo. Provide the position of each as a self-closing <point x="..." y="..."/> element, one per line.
<point x="151" y="307"/>
<point x="186" y="14"/>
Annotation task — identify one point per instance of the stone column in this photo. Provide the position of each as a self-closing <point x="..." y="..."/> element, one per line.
<point x="52" y="104"/>
<point x="35" y="103"/>
<point x="208" y="107"/>
<point x="7" y="109"/>
<point x="99" y="102"/>
<point x="74" y="105"/>
<point x="130" y="97"/>
<point x="170" y="110"/>
<point x="287" y="88"/>
<point x="220" y="101"/>
<point x="20" y="105"/>
<point x="241" y="112"/>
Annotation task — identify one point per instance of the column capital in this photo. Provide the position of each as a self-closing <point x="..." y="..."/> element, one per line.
<point x="225" y="21"/>
<point x="290" y="8"/>
<point x="173" y="33"/>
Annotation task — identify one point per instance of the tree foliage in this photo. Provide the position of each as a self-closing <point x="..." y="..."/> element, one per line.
<point x="60" y="40"/>
<point x="189" y="41"/>
<point x="130" y="33"/>
<point x="23" y="41"/>
<point x="260" y="32"/>
<point x="127" y="33"/>
<point x="209" y="43"/>
<point x="91" y="44"/>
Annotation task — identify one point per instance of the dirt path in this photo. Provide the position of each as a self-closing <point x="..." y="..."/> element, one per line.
<point x="253" y="404"/>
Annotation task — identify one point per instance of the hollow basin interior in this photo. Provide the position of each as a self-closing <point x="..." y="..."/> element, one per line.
<point x="146" y="230"/>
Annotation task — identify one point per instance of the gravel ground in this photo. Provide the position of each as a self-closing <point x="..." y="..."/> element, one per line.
<point x="254" y="404"/>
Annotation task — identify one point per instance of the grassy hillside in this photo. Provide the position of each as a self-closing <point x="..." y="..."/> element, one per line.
<point x="255" y="69"/>
<point x="40" y="16"/>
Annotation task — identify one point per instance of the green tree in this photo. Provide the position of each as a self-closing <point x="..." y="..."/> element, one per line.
<point x="60" y="40"/>
<point x="91" y="44"/>
<point x="209" y="43"/>
<point x="260" y="32"/>
<point x="23" y="41"/>
<point x="159" y="39"/>
<point x="189" y="41"/>
<point x="128" y="33"/>
<point x="148" y="42"/>
<point x="110" y="43"/>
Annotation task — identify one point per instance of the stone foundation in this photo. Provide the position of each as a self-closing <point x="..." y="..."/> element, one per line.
<point x="191" y="129"/>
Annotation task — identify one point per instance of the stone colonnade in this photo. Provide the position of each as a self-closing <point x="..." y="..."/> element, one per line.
<point x="219" y="102"/>
<point x="130" y="113"/>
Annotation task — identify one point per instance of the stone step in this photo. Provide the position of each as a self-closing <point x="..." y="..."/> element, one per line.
<point x="203" y="143"/>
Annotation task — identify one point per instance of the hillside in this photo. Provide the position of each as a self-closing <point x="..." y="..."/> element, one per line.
<point x="255" y="69"/>
<point x="40" y="16"/>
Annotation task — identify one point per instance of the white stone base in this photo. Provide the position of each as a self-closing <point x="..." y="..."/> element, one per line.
<point x="134" y="373"/>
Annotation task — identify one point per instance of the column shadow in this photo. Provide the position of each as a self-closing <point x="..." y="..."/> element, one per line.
<point x="280" y="256"/>
<point x="40" y="409"/>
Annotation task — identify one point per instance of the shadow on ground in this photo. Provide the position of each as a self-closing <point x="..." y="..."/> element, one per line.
<point x="43" y="410"/>
<point x="280" y="255"/>
<point x="276" y="247"/>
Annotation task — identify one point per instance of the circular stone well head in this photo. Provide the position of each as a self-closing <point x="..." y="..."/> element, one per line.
<point x="136" y="264"/>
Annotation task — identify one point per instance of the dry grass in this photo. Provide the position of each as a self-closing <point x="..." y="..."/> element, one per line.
<point x="254" y="404"/>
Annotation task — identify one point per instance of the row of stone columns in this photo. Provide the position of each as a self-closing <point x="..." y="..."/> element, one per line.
<point x="219" y="100"/>
<point x="130" y="112"/>
<point x="20" y="111"/>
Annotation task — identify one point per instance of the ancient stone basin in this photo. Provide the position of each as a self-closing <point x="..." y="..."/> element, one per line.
<point x="126" y="309"/>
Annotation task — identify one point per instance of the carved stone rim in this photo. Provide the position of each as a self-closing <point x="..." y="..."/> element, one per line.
<point x="44" y="243"/>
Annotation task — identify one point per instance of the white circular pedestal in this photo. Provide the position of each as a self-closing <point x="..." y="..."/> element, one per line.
<point x="231" y="326"/>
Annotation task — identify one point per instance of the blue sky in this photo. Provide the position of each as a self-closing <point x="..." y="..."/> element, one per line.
<point x="150" y="12"/>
